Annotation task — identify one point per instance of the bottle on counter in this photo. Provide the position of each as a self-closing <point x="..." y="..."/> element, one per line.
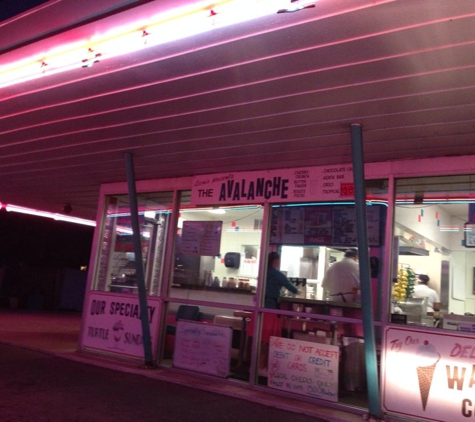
<point x="209" y="278"/>
<point x="224" y="283"/>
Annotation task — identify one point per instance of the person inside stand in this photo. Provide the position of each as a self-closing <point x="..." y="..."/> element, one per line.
<point x="342" y="279"/>
<point x="422" y="290"/>
<point x="272" y="324"/>
<point x="276" y="281"/>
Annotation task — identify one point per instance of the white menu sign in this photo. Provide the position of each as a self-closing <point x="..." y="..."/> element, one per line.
<point x="203" y="347"/>
<point x="286" y="185"/>
<point x="428" y="375"/>
<point x="304" y="367"/>
<point x="113" y="324"/>
<point x="201" y="238"/>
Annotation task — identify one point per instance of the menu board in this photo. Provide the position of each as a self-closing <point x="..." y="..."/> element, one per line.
<point x="303" y="367"/>
<point x="329" y="183"/>
<point x="201" y="238"/>
<point x="203" y="347"/>
<point x="333" y="225"/>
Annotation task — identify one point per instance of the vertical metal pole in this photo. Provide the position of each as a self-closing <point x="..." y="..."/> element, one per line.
<point x="365" y="274"/>
<point x="139" y="270"/>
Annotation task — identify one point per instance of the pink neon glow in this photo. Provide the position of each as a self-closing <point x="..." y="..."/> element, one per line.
<point x="46" y="214"/>
<point x="157" y="29"/>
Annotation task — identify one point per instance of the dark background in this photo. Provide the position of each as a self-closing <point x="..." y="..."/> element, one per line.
<point x="38" y="256"/>
<point x="10" y="8"/>
<point x="34" y="241"/>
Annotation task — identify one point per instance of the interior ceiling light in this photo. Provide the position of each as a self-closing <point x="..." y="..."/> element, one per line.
<point x="297" y="5"/>
<point x="177" y="23"/>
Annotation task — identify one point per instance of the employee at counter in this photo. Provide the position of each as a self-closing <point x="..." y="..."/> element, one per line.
<point x="342" y="280"/>
<point x="422" y="290"/>
<point x="272" y="323"/>
<point x="276" y="281"/>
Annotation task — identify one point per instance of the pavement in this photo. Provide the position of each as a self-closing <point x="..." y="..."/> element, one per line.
<point x="57" y="334"/>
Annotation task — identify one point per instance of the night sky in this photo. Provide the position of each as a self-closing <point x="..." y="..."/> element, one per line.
<point x="41" y="242"/>
<point x="10" y="8"/>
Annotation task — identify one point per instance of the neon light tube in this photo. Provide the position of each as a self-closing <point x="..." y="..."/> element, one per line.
<point x="46" y="214"/>
<point x="158" y="29"/>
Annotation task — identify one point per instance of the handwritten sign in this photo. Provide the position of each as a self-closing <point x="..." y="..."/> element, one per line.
<point x="304" y="367"/>
<point x="201" y="238"/>
<point x="203" y="347"/>
<point x="429" y="376"/>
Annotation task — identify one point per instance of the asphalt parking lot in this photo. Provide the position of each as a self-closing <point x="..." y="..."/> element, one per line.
<point x="40" y="387"/>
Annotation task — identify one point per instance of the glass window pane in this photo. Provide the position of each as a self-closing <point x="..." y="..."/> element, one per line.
<point x="310" y="238"/>
<point x="116" y="271"/>
<point x="433" y="262"/>
<point x="217" y="253"/>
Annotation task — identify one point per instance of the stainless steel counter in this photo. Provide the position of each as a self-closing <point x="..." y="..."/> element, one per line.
<point x="315" y="302"/>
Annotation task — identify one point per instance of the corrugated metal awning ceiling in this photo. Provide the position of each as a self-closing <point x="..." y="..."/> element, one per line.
<point x="273" y="92"/>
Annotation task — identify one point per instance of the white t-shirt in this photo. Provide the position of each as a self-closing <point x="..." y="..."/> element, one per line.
<point x="341" y="279"/>
<point x="421" y="291"/>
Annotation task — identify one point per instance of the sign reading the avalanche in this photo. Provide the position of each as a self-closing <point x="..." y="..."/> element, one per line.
<point x="113" y="324"/>
<point x="288" y="185"/>
<point x="429" y="376"/>
<point x="304" y="367"/>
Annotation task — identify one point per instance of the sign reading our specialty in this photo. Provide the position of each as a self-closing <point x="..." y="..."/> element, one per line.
<point x="303" y="367"/>
<point x="429" y="376"/>
<point x="287" y="185"/>
<point x="113" y="324"/>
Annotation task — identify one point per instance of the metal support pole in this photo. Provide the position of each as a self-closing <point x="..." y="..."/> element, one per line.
<point x="365" y="274"/>
<point x="134" y="216"/>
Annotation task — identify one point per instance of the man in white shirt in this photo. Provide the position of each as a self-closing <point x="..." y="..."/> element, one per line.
<point x="342" y="279"/>
<point x="422" y="290"/>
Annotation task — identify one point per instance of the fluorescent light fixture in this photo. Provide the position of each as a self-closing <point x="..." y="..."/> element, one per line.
<point x="46" y="214"/>
<point x="217" y="211"/>
<point x="239" y="230"/>
<point x="149" y="214"/>
<point x="177" y="23"/>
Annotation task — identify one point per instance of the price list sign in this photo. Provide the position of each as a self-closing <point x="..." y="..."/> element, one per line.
<point x="344" y="226"/>
<point x="201" y="238"/>
<point x="323" y="225"/>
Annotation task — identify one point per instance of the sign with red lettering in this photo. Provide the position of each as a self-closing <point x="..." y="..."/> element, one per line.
<point x="347" y="189"/>
<point x="429" y="375"/>
<point x="304" y="367"/>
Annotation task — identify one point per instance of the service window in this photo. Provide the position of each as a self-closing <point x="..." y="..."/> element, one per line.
<point x="217" y="253"/>
<point x="433" y="263"/>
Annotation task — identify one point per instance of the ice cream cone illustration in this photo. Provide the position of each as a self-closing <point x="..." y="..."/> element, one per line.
<point x="117" y="328"/>
<point x="427" y="358"/>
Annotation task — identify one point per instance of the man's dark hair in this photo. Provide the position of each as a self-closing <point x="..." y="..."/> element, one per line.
<point x="273" y="256"/>
<point x="424" y="279"/>
<point x="351" y="253"/>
